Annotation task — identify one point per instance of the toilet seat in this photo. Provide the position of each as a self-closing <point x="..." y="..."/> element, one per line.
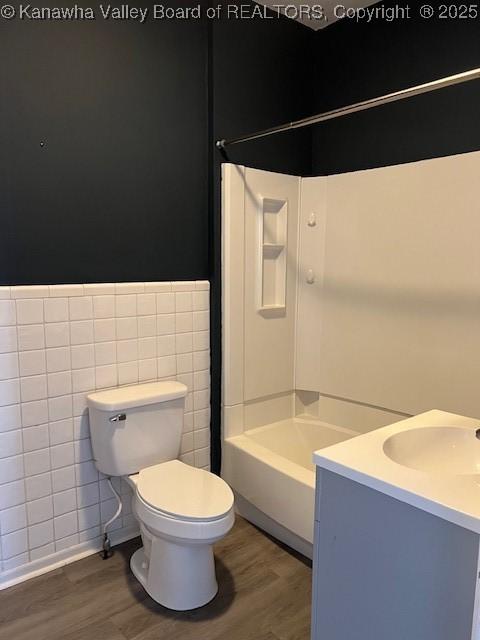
<point x="177" y="490"/>
<point x="175" y="500"/>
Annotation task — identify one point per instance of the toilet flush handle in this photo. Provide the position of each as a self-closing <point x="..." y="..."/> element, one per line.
<point x="120" y="417"/>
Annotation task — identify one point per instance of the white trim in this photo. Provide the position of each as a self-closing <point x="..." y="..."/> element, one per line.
<point x="62" y="558"/>
<point x="233" y="247"/>
<point x="29" y="291"/>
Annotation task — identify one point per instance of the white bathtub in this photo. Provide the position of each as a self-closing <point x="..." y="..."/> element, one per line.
<point x="271" y="471"/>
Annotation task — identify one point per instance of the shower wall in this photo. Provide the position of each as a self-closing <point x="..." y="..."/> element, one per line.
<point x="392" y="317"/>
<point x="260" y="243"/>
<point x="271" y="223"/>
<point x="267" y="259"/>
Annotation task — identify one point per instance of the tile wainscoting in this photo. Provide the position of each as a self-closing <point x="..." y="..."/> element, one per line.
<point x="58" y="343"/>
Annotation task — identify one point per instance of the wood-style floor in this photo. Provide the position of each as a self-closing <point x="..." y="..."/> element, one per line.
<point x="264" y="594"/>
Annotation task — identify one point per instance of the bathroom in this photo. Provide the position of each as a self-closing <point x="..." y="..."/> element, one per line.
<point x="296" y="311"/>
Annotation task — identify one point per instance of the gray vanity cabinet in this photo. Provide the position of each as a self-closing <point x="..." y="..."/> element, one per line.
<point x="384" y="570"/>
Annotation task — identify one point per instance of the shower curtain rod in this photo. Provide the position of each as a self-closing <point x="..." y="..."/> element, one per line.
<point x="417" y="90"/>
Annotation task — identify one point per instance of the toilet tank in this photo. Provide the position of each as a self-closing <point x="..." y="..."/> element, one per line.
<point x="137" y="426"/>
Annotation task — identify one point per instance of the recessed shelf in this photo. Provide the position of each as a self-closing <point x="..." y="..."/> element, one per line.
<point x="272" y="250"/>
<point x="272" y="261"/>
<point x="273" y="307"/>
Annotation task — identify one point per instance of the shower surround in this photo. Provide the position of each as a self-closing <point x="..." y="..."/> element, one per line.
<point x="341" y="315"/>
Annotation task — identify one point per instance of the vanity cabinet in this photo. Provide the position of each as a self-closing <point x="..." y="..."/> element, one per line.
<point x="386" y="570"/>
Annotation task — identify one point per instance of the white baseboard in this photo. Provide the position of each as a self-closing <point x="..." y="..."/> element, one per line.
<point x="64" y="557"/>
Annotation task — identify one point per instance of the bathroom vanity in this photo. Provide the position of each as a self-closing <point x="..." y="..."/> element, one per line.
<point x="397" y="533"/>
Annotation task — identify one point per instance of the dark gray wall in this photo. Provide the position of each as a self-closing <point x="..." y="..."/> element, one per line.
<point x="358" y="61"/>
<point x="119" y="191"/>
<point x="262" y="72"/>
<point x="120" y="188"/>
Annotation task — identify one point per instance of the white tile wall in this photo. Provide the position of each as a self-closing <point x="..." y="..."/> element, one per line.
<point x="58" y="343"/>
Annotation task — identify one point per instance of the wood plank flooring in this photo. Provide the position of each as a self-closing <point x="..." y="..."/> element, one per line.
<point x="264" y="594"/>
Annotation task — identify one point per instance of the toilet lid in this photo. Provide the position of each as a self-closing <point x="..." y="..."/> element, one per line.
<point x="184" y="492"/>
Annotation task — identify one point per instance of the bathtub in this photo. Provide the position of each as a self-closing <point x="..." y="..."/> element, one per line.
<point x="271" y="471"/>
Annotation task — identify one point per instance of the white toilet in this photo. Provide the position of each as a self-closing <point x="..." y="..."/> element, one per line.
<point x="182" y="511"/>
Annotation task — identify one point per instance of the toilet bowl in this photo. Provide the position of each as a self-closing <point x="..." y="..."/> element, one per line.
<point x="182" y="512"/>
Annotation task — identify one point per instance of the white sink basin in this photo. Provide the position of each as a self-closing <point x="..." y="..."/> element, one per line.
<point x="436" y="450"/>
<point x="430" y="461"/>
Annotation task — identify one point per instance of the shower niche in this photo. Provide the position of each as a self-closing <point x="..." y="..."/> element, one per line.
<point x="272" y="253"/>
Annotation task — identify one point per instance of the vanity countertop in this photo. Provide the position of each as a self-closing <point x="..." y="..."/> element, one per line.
<point x="448" y="487"/>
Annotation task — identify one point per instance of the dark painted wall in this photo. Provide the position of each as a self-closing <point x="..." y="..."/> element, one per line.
<point x="119" y="191"/>
<point x="358" y="61"/>
<point x="120" y="188"/>
<point x="262" y="77"/>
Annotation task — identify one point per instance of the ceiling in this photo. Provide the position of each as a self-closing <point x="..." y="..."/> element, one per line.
<point x="328" y="7"/>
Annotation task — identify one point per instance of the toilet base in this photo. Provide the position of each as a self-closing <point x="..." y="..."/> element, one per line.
<point x="179" y="577"/>
<point x="139" y="566"/>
